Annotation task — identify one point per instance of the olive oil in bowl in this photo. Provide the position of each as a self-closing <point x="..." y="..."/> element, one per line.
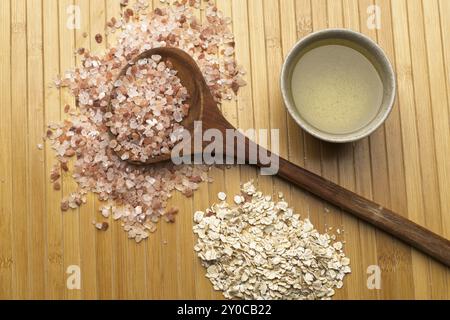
<point x="336" y="89"/>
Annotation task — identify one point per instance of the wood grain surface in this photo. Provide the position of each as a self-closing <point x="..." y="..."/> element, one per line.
<point x="403" y="166"/>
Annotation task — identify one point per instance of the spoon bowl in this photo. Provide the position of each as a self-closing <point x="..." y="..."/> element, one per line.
<point x="191" y="78"/>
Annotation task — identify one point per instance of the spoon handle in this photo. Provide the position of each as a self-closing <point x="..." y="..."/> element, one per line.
<point x="394" y="224"/>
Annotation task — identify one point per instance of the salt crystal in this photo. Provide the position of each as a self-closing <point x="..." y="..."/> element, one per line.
<point x="106" y="211"/>
<point x="130" y="184"/>
<point x="156" y="58"/>
<point x="177" y="117"/>
<point x="97" y="168"/>
<point x="102" y="226"/>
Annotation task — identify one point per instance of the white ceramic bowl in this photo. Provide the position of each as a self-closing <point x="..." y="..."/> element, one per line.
<point x="370" y="50"/>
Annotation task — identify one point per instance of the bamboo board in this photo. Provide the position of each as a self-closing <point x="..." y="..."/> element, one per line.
<point x="403" y="166"/>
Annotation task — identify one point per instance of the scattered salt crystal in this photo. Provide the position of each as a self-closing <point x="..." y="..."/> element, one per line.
<point x="106" y="211"/>
<point x="102" y="226"/>
<point x="177" y="116"/>
<point x="97" y="168"/>
<point x="117" y="214"/>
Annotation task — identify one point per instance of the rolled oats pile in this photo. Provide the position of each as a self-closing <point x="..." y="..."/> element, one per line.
<point x="258" y="248"/>
<point x="147" y="109"/>
<point x="137" y="196"/>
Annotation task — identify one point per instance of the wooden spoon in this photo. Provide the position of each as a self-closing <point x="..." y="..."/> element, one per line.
<point x="205" y="109"/>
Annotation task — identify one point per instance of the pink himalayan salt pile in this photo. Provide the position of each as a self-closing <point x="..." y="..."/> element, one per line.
<point x="148" y="105"/>
<point x="137" y="195"/>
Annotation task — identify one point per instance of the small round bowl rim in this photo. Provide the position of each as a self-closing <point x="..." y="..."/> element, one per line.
<point x="363" y="41"/>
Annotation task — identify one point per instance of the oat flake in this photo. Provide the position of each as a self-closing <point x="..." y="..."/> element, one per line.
<point x="261" y="249"/>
